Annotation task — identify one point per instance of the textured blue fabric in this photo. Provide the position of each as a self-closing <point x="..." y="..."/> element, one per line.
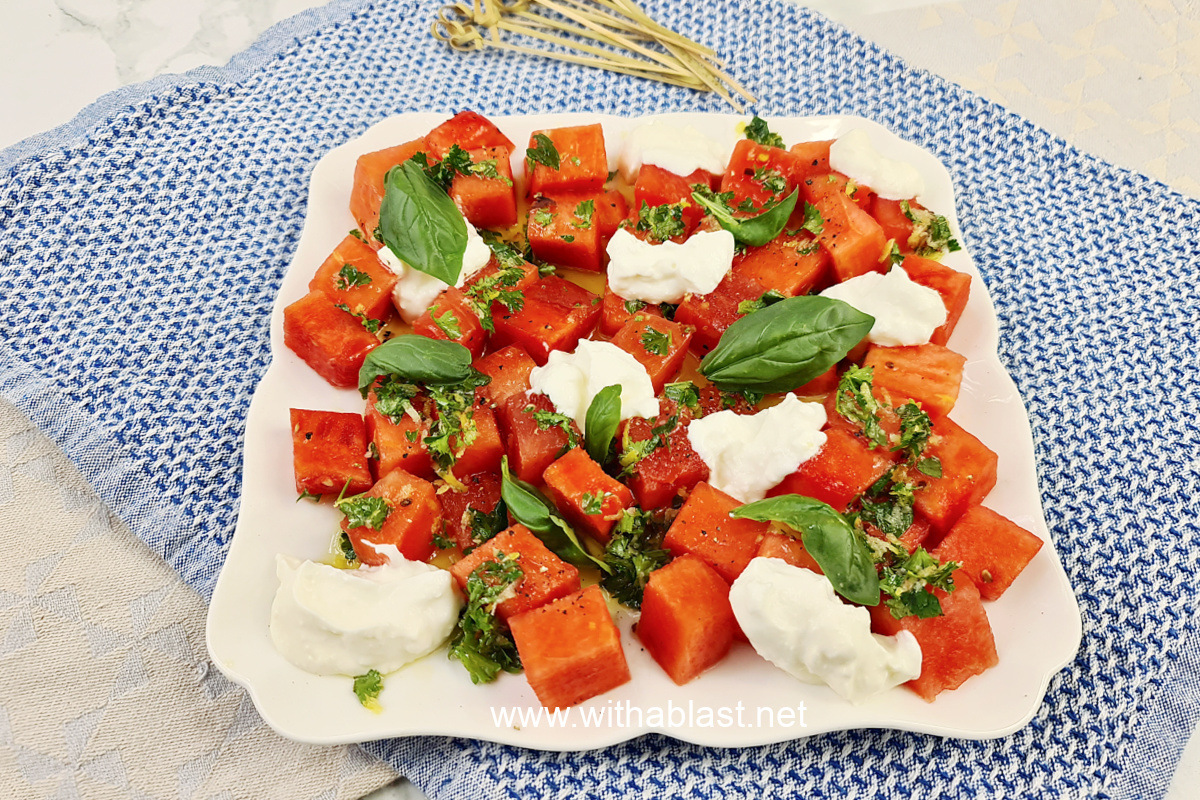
<point x="141" y="248"/>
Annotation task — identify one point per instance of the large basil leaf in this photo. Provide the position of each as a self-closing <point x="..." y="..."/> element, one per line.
<point x="842" y="554"/>
<point x="754" y="231"/>
<point x="417" y="359"/>
<point x="421" y="224"/>
<point x="785" y="345"/>
<point x="600" y="424"/>
<point x="530" y="507"/>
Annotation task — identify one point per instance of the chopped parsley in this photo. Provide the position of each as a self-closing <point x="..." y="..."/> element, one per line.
<point x="348" y="277"/>
<point x="442" y="542"/>
<point x="372" y="325"/>
<point x="856" y="403"/>
<point x="768" y="298"/>
<point x="542" y="152"/>
<point x="367" y="688"/>
<point x="931" y="234"/>
<point x="661" y="222"/>
<point x="497" y="288"/>
<point x="757" y="131"/>
<point x="915" y="430"/>
<point x="583" y="213"/>
<point x="568" y="238"/>
<point x="813" y="222"/>
<point x="552" y="419"/>
<point x="770" y="179"/>
<point x="593" y="504"/>
<point x="364" y="511"/>
<point x="345" y="549"/>
<point x="448" y="324"/>
<point x="892" y="254"/>
<point x="684" y="393"/>
<point x="307" y="495"/>
<point x="487" y="169"/>
<point x="634" y="306"/>
<point x="634" y="452"/>
<point x="634" y="551"/>
<point x="480" y="641"/>
<point x="484" y="525"/>
<point x="655" y="342"/>
<point x="542" y="217"/>
<point x="357" y="234"/>
<point x="453" y="430"/>
<point x="393" y="399"/>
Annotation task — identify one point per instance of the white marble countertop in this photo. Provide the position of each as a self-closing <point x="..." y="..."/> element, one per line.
<point x="1117" y="78"/>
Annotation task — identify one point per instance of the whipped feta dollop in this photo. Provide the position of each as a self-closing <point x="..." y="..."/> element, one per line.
<point x="855" y="156"/>
<point x="416" y="290"/>
<point x="331" y="621"/>
<point x="664" y="273"/>
<point x="680" y="149"/>
<point x="905" y="312"/>
<point x="572" y="380"/>
<point x="747" y="454"/>
<point x="793" y="619"/>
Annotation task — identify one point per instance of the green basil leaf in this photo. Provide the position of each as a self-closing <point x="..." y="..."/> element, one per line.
<point x="832" y="541"/>
<point x="421" y="224"/>
<point x="785" y="345"/>
<point x="600" y="424"/>
<point x="530" y="507"/>
<point x="754" y="231"/>
<point x="416" y="359"/>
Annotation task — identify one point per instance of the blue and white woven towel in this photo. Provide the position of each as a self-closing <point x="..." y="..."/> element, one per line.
<point x="142" y="245"/>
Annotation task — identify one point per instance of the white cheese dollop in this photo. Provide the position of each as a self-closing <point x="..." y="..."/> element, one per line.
<point x="855" y="156"/>
<point x="905" y="312"/>
<point x="572" y="380"/>
<point x="664" y="273"/>
<point x="416" y="290"/>
<point x="794" y="620"/>
<point x="747" y="454"/>
<point x="331" y="621"/>
<point x="680" y="149"/>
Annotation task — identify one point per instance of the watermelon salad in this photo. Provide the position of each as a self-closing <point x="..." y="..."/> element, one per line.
<point x="699" y="313"/>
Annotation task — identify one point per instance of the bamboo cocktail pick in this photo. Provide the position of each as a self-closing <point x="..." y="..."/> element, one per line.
<point x="615" y="35"/>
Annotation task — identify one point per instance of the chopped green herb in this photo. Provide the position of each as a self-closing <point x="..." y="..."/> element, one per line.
<point x="487" y="169"/>
<point x="367" y="688"/>
<point x="485" y="525"/>
<point x="684" y="393"/>
<point x="768" y="298"/>
<point x="668" y="310"/>
<point x="480" y="641"/>
<point x="915" y="430"/>
<point x="757" y="131"/>
<point x="892" y="253"/>
<point x="634" y="452"/>
<point x="583" y="213"/>
<point x="456" y="161"/>
<point x="441" y="542"/>
<point x="612" y="175"/>
<point x="453" y="430"/>
<point x="552" y="419"/>
<point x="448" y="324"/>
<point x="931" y="234"/>
<point x="593" y="504"/>
<point x="568" y="238"/>
<point x="633" y="552"/>
<point x="857" y="404"/>
<point x="655" y="342"/>
<point x="497" y="288"/>
<point x="364" y="511"/>
<point x="542" y="217"/>
<point x="372" y="325"/>
<point x="393" y="399"/>
<point x="307" y="495"/>
<point x="910" y="579"/>
<point x="348" y="277"/>
<point x="412" y="436"/>
<point x="813" y="223"/>
<point x="634" y="306"/>
<point x="770" y="179"/>
<point x="661" y="222"/>
<point x="543" y="152"/>
<point x="357" y="234"/>
<point x="345" y="548"/>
